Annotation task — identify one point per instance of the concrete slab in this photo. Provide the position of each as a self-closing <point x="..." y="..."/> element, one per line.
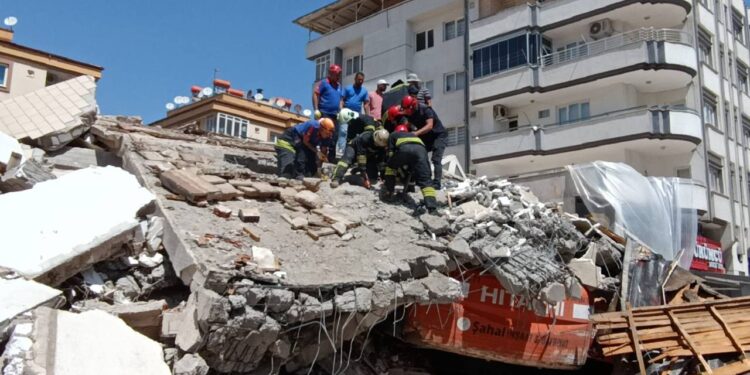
<point x="61" y="226"/>
<point x="94" y="342"/>
<point x="79" y="158"/>
<point x="21" y="295"/>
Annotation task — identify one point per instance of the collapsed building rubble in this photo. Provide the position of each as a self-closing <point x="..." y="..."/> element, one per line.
<point x="287" y="275"/>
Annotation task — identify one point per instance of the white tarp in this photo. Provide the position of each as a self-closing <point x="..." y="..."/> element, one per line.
<point x="59" y="219"/>
<point x="648" y="209"/>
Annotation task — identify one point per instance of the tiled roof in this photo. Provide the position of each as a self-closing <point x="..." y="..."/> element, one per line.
<point x="51" y="109"/>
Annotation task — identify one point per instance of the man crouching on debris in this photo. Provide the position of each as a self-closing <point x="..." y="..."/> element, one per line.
<point x="297" y="149"/>
<point x="407" y="156"/>
<point x="366" y="147"/>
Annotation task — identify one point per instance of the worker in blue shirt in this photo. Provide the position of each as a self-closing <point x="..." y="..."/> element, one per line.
<point x="327" y="100"/>
<point x="354" y="98"/>
<point x="297" y="149"/>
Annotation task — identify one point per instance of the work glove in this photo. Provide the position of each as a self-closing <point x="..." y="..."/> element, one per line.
<point x="318" y="115"/>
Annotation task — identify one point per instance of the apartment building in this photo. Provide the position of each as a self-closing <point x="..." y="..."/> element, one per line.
<point x="24" y="69"/>
<point x="390" y="39"/>
<point x="660" y="85"/>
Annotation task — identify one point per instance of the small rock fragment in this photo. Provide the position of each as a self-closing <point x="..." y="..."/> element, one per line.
<point x="222" y="211"/>
<point x="249" y="215"/>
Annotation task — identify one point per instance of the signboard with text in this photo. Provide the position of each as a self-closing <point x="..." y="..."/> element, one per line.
<point x="708" y="256"/>
<point x="492" y="324"/>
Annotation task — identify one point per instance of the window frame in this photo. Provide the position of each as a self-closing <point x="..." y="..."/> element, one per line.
<point x="458" y="29"/>
<point x="710" y="101"/>
<point x="738" y="27"/>
<point x="321" y="67"/>
<point x="6" y="78"/>
<point x="455" y="136"/>
<point x="742" y="77"/>
<point x="579" y="112"/>
<point x="353" y="65"/>
<point x="715" y="178"/>
<point x="458" y="82"/>
<point x="429" y="40"/>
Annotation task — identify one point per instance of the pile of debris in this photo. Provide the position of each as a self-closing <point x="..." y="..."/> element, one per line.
<point x="234" y="269"/>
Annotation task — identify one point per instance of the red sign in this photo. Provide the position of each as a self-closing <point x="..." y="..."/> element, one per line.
<point x="490" y="323"/>
<point x="708" y="256"/>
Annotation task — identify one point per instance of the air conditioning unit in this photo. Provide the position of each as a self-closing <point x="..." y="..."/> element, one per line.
<point x="601" y="29"/>
<point x="499" y="112"/>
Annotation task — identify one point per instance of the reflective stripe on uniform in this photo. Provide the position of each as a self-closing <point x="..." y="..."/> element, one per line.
<point x="285" y="145"/>
<point x="401" y="141"/>
<point x="369" y="128"/>
<point x="361" y="159"/>
<point x="428" y="191"/>
<point x="389" y="171"/>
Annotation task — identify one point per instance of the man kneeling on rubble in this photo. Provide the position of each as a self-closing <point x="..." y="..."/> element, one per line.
<point x="368" y="148"/>
<point x="297" y="149"/>
<point x="407" y="157"/>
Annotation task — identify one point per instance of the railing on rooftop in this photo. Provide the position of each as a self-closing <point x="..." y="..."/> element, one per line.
<point x="614" y="42"/>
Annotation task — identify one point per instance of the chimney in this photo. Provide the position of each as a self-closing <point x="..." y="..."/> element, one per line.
<point x="6" y="35"/>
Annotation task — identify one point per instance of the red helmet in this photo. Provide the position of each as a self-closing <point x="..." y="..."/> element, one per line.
<point x="409" y="103"/>
<point x="394" y="112"/>
<point x="334" y="69"/>
<point x="401" y="129"/>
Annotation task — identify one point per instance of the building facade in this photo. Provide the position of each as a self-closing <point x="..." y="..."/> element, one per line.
<point x="660" y="85"/>
<point x="233" y="116"/>
<point x="24" y="69"/>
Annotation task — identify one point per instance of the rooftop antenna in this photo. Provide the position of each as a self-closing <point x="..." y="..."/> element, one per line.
<point x="10" y="22"/>
<point x="216" y="71"/>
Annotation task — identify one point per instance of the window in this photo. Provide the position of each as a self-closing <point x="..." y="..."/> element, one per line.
<point x="425" y="40"/>
<point x="233" y="126"/>
<point x="4" y="68"/>
<point x="742" y="77"/>
<point x="430" y="86"/>
<point x="715" y="178"/>
<point x="456" y="136"/>
<point x="683" y="172"/>
<point x="513" y="124"/>
<point x="746" y="131"/>
<point x="274" y="136"/>
<point x="544" y="113"/>
<point x="704" y="49"/>
<point x="353" y="65"/>
<point x="573" y="113"/>
<point x="454" y="81"/>
<point x="321" y="66"/>
<point x="738" y="21"/>
<point x="709" y="110"/>
<point x="708" y="4"/>
<point x="453" y="29"/>
<point x="500" y="55"/>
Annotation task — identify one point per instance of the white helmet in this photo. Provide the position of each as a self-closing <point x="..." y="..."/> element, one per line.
<point x="347" y="115"/>
<point x="381" y="137"/>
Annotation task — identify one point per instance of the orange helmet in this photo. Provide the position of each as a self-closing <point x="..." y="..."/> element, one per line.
<point x="326" y="127"/>
<point x="401" y="129"/>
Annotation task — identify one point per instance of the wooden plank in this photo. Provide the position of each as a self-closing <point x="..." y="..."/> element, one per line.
<point x="728" y="331"/>
<point x="689" y="341"/>
<point x="251" y="234"/>
<point x="634" y="340"/>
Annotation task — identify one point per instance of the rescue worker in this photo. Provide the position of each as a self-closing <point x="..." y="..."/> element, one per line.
<point x="326" y="100"/>
<point x="430" y="129"/>
<point x="297" y="149"/>
<point x="392" y="117"/>
<point x="367" y="148"/>
<point x="407" y="155"/>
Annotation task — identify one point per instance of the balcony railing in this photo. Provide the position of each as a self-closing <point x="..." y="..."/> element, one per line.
<point x="587" y="120"/>
<point x="614" y="42"/>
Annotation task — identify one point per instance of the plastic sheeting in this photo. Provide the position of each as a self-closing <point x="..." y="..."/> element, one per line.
<point x="650" y="210"/>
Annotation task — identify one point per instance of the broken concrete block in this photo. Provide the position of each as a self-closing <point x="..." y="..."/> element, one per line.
<point x="553" y="293"/>
<point x="227" y="192"/>
<point x="460" y="249"/>
<point x="586" y="271"/>
<point x="20" y="295"/>
<point x="144" y="317"/>
<point x="50" y="248"/>
<point x="249" y="215"/>
<point x="340" y="228"/>
<point x="473" y="208"/>
<point x="191" y="364"/>
<point x="265" y="259"/>
<point x="155" y="233"/>
<point x="11" y="156"/>
<point x="308" y="199"/>
<point x="214" y="180"/>
<point x="78" y="158"/>
<point x="260" y="190"/>
<point x="188" y="185"/>
<point x="81" y="344"/>
<point x="435" y="224"/>
<point x="299" y="223"/>
<point x="222" y="211"/>
<point x="188" y="337"/>
<point x="312" y="184"/>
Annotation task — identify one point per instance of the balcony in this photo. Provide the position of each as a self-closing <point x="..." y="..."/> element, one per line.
<point x="557" y="13"/>
<point x="693" y="195"/>
<point x="639" y="123"/>
<point x="664" y="59"/>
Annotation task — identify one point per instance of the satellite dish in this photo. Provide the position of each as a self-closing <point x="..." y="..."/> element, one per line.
<point x="258" y="96"/>
<point x="10" y="21"/>
<point x="297" y="108"/>
<point x="307" y="112"/>
<point x="177" y="100"/>
<point x="280" y="102"/>
<point x="170" y="106"/>
<point x="207" y="91"/>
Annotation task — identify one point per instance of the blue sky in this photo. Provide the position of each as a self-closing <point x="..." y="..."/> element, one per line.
<point x="154" y="50"/>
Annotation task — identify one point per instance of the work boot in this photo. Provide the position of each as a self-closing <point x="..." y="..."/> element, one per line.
<point x="430" y="203"/>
